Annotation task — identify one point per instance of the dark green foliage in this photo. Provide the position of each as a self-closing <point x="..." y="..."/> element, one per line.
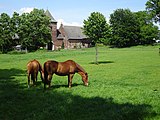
<point x="14" y="28"/>
<point x="148" y="31"/>
<point x="30" y="30"/>
<point x="129" y="29"/>
<point x="5" y="37"/>
<point x="153" y="8"/>
<point x="33" y="29"/>
<point x="125" y="28"/>
<point x="96" y="27"/>
<point x="149" y="34"/>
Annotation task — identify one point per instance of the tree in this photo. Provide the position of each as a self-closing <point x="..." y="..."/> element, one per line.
<point x="14" y="27"/>
<point x="148" y="31"/>
<point x="96" y="28"/>
<point x="5" y="38"/>
<point x="153" y="8"/>
<point x="34" y="29"/>
<point x="148" y="34"/>
<point x="125" y="28"/>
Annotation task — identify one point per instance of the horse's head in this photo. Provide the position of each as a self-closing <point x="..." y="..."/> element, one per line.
<point x="85" y="79"/>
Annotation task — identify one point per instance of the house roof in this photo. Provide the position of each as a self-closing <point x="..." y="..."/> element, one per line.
<point x="74" y="32"/>
<point x="60" y="36"/>
<point x="50" y="16"/>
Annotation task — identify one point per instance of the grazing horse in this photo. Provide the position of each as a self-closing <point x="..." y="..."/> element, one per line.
<point x="67" y="68"/>
<point x="33" y="67"/>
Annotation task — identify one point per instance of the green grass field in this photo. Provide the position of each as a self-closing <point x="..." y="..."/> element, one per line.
<point x="124" y="86"/>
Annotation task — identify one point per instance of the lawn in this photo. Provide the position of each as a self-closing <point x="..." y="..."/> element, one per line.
<point x="124" y="86"/>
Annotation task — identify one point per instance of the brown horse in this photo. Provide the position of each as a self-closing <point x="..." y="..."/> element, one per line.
<point x="32" y="70"/>
<point x="67" y="68"/>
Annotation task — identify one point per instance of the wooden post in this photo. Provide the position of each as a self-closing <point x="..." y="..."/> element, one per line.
<point x="96" y="47"/>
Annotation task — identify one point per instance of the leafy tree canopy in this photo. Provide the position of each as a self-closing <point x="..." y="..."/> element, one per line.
<point x="96" y="28"/>
<point x="5" y="38"/>
<point x="33" y="29"/>
<point x="148" y="31"/>
<point x="125" y="28"/>
<point x="153" y="8"/>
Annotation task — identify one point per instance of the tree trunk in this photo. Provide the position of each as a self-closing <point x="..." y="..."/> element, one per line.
<point x="96" y="53"/>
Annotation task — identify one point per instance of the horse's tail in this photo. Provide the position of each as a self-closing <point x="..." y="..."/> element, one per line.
<point x="45" y="72"/>
<point x="40" y="67"/>
<point x="32" y="77"/>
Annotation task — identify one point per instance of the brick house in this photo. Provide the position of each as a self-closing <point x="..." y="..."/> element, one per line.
<point x="67" y="37"/>
<point x="53" y="26"/>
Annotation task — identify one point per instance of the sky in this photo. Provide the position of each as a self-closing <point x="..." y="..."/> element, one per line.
<point x="71" y="12"/>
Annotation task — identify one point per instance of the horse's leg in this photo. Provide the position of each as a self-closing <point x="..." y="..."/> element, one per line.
<point x="49" y="80"/>
<point x="70" y="76"/>
<point x="28" y="80"/>
<point x="36" y="76"/>
<point x="44" y="86"/>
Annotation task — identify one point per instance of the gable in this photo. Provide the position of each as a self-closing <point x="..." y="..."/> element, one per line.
<point x="50" y="16"/>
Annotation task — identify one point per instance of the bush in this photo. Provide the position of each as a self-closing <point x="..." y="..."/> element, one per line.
<point x="15" y="52"/>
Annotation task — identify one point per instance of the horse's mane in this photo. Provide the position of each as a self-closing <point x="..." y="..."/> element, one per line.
<point x="80" y="68"/>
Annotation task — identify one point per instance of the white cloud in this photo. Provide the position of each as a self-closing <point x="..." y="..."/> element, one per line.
<point x="61" y="21"/>
<point x="25" y="10"/>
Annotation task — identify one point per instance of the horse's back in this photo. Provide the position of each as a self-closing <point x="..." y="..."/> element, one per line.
<point x="69" y="63"/>
<point x="33" y="66"/>
<point x="61" y="68"/>
<point x="50" y="66"/>
<point x="66" y="68"/>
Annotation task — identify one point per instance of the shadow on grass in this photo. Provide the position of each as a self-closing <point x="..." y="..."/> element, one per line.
<point x="8" y="78"/>
<point x="66" y="86"/>
<point x="102" y="62"/>
<point x="10" y="73"/>
<point x="19" y="103"/>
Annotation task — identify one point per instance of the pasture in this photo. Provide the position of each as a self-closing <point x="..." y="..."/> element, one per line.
<point x="124" y="86"/>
